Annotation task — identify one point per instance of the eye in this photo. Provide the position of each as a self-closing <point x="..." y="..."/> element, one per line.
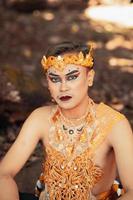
<point x="55" y="79"/>
<point x="72" y="77"/>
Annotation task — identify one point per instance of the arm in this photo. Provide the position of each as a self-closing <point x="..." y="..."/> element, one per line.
<point x="121" y="139"/>
<point x="18" y="154"/>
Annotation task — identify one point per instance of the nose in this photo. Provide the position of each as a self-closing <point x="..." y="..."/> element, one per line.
<point x="64" y="87"/>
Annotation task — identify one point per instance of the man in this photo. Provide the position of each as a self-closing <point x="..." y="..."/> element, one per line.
<point x="85" y="142"/>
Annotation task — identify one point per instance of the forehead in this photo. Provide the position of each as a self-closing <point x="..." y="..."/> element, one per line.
<point x="68" y="68"/>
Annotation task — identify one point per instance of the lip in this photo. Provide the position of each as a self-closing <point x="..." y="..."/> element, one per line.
<point x="65" y="98"/>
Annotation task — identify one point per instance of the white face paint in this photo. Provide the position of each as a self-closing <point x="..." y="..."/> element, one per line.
<point x="68" y="87"/>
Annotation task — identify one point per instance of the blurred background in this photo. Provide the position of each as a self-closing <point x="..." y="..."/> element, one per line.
<point x="28" y="28"/>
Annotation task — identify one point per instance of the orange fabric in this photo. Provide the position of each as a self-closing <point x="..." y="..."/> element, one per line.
<point x="111" y="194"/>
<point x="104" y="196"/>
<point x="107" y="195"/>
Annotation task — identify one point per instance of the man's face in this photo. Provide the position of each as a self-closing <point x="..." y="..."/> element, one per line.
<point x="70" y="86"/>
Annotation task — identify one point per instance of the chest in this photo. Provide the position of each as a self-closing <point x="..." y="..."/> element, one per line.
<point x="88" y="156"/>
<point x="98" y="147"/>
<point x="102" y="156"/>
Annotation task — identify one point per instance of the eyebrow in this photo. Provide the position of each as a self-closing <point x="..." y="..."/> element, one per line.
<point x="70" y="73"/>
<point x="52" y="74"/>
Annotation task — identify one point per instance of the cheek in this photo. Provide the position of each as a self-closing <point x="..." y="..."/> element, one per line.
<point x="53" y="88"/>
<point x="80" y="83"/>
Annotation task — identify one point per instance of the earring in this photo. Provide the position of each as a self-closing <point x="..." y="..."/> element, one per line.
<point x="90" y="83"/>
<point x="52" y="100"/>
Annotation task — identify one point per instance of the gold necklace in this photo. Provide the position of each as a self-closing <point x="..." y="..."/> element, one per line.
<point x="76" y="121"/>
<point x="69" y="143"/>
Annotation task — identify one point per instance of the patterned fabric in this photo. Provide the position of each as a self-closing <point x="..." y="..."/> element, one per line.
<point x="115" y="192"/>
<point x="66" y="179"/>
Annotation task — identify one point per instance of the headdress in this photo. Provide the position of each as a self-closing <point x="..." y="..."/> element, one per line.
<point x="59" y="62"/>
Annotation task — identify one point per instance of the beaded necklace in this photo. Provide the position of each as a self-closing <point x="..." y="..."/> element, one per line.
<point x="74" y="121"/>
<point x="70" y="138"/>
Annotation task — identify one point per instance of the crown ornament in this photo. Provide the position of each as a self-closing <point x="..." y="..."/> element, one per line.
<point x="59" y="62"/>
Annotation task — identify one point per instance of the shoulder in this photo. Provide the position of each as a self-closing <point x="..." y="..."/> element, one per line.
<point x="43" y="112"/>
<point x="109" y="118"/>
<point x="112" y="125"/>
<point x="104" y="109"/>
<point x="121" y="130"/>
<point x="108" y="115"/>
<point x="117" y="124"/>
<point x="39" y="118"/>
<point x="37" y="123"/>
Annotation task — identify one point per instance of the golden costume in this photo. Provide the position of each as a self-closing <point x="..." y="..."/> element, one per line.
<point x="69" y="172"/>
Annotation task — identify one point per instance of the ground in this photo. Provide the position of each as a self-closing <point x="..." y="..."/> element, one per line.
<point x="24" y="39"/>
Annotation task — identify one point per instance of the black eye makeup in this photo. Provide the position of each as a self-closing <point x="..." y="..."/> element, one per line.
<point x="72" y="75"/>
<point x="69" y="76"/>
<point x="54" y="77"/>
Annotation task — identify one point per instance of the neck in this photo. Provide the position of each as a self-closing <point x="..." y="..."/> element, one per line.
<point x="77" y="111"/>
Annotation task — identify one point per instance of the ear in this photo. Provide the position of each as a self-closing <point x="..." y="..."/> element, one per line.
<point x="91" y="74"/>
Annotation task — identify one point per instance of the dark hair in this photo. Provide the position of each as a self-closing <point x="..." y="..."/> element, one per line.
<point x="67" y="47"/>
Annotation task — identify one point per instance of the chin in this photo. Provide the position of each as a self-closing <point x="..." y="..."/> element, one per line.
<point x="67" y="105"/>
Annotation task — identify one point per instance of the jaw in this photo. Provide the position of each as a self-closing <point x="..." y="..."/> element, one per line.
<point x="74" y="109"/>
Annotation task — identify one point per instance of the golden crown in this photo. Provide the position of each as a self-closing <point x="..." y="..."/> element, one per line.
<point x="59" y="62"/>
